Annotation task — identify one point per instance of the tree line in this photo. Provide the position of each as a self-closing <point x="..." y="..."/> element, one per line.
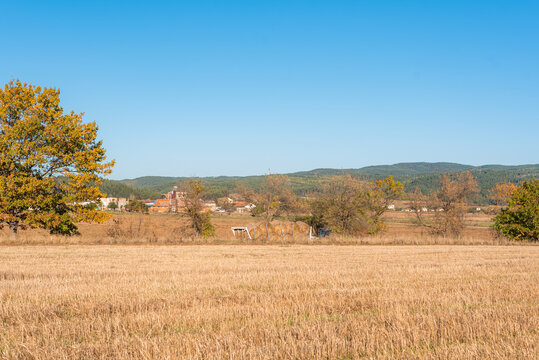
<point x="353" y="206"/>
<point x="52" y="165"/>
<point x="304" y="183"/>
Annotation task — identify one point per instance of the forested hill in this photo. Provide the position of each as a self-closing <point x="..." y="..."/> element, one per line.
<point x="393" y="170"/>
<point x="419" y="174"/>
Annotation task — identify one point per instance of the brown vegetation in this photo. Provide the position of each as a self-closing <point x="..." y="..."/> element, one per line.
<point x="275" y="198"/>
<point x="131" y="228"/>
<point x="200" y="220"/>
<point x="351" y="206"/>
<point x="449" y="203"/>
<point x="269" y="302"/>
<point x="501" y="192"/>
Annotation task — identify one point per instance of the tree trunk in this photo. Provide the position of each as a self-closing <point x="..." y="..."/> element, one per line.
<point x="13" y="228"/>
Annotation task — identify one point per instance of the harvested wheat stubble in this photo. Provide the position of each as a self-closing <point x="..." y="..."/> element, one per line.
<point x="269" y="302"/>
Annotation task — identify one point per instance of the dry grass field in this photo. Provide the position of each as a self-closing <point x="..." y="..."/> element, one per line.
<point x="173" y="229"/>
<point x="269" y="302"/>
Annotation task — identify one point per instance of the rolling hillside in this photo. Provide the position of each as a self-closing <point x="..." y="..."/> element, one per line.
<point x="419" y="174"/>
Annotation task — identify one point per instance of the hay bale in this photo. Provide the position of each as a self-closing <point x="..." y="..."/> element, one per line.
<point x="301" y="228"/>
<point x="297" y="229"/>
<point x="261" y="232"/>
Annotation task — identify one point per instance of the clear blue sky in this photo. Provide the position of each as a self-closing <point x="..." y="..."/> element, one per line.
<point x="198" y="88"/>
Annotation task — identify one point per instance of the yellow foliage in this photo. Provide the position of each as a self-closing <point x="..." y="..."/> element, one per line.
<point x="50" y="161"/>
<point x="501" y="192"/>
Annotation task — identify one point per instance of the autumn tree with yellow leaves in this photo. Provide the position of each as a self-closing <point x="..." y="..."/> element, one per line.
<point x="501" y="192"/>
<point x="351" y="206"/>
<point x="380" y="194"/>
<point x="200" y="219"/>
<point x="50" y="162"/>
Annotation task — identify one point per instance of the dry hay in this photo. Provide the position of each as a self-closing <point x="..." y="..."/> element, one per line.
<point x="173" y="229"/>
<point x="276" y="230"/>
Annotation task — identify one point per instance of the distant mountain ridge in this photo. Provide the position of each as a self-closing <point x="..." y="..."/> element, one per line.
<point x="415" y="168"/>
<point x="423" y="175"/>
<point x="396" y="170"/>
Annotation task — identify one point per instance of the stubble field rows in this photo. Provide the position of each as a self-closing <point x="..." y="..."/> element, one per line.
<point x="269" y="302"/>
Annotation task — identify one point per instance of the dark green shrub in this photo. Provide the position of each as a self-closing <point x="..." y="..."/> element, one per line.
<point x="520" y="220"/>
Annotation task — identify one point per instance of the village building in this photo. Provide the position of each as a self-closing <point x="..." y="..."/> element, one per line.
<point x="243" y="207"/>
<point x="209" y="205"/>
<point x="149" y="203"/>
<point x="121" y="203"/>
<point x="173" y="202"/>
<point x="161" y="206"/>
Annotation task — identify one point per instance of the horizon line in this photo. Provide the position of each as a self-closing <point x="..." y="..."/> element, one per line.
<point x="323" y="168"/>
